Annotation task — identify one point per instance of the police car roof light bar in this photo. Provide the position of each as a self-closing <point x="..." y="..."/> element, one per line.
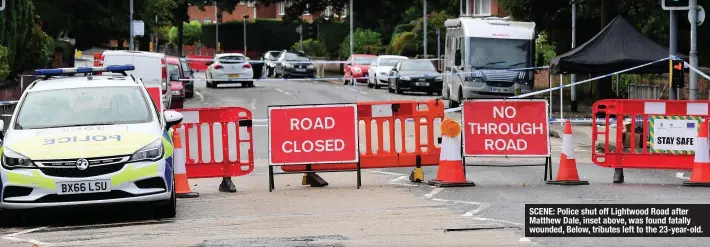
<point x="85" y="70"/>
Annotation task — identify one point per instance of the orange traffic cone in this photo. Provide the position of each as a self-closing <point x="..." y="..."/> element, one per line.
<point x="567" y="173"/>
<point x="451" y="172"/>
<point x="182" y="187"/>
<point x="700" y="176"/>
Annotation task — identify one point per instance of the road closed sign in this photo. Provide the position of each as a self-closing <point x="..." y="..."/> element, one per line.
<point x="506" y="128"/>
<point x="313" y="134"/>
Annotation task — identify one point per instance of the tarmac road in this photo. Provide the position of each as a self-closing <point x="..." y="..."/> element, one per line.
<point x="387" y="211"/>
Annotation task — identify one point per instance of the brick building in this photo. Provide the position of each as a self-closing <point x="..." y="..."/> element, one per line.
<point x="273" y="11"/>
<point x="484" y="8"/>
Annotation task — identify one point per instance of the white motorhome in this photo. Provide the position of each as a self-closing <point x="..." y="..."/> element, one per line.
<point x="484" y="58"/>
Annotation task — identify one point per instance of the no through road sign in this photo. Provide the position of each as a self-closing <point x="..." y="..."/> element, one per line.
<point x="505" y="128"/>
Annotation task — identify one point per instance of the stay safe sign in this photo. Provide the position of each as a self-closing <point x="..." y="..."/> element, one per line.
<point x="506" y="128"/>
<point x="313" y="134"/>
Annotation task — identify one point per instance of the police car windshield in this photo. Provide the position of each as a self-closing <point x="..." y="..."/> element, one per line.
<point x="83" y="107"/>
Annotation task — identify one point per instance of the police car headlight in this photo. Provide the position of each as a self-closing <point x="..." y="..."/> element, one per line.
<point x="152" y="152"/>
<point x="12" y="159"/>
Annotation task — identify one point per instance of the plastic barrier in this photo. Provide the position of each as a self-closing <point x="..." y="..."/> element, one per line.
<point x="218" y="141"/>
<point x="393" y="123"/>
<point x="662" y="134"/>
<point x="197" y="63"/>
<point x="97" y="59"/>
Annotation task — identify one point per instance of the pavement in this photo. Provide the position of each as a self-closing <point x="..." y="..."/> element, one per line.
<point x="387" y="210"/>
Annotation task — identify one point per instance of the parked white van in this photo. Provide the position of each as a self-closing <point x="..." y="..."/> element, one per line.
<point x="150" y="67"/>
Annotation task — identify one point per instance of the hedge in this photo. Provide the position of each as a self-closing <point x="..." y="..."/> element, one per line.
<point x="270" y="34"/>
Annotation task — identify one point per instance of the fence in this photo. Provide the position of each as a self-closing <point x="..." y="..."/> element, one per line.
<point x="645" y="91"/>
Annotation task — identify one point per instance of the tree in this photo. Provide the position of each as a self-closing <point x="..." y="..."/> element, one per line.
<point x="311" y="47"/>
<point x="379" y="19"/>
<point x="180" y="13"/>
<point x="192" y="33"/>
<point x="27" y="46"/>
<point x="364" y="41"/>
<point x="4" y="62"/>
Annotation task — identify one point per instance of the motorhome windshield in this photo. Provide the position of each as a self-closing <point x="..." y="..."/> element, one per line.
<point x="489" y="53"/>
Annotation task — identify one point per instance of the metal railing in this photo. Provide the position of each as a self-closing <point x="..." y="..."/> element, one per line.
<point x="644" y="91"/>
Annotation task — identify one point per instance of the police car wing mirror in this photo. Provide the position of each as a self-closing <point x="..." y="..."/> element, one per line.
<point x="172" y="118"/>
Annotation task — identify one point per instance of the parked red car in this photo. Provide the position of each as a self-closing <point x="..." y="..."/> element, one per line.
<point x="356" y="68"/>
<point x="175" y="72"/>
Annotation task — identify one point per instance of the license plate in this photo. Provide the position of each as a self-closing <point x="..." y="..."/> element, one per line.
<point x="422" y="84"/>
<point x="176" y="92"/>
<point x="301" y="70"/>
<point x="83" y="187"/>
<point x="234" y="76"/>
<point x="499" y="90"/>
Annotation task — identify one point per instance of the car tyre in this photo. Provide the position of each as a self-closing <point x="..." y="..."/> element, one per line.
<point x="189" y="95"/>
<point x="167" y="209"/>
<point x="397" y="89"/>
<point x="389" y="87"/>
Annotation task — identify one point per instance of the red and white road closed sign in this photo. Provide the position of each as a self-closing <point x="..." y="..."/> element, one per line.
<point x="313" y="134"/>
<point x="505" y="128"/>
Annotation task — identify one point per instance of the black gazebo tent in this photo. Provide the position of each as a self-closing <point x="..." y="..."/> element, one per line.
<point x="618" y="46"/>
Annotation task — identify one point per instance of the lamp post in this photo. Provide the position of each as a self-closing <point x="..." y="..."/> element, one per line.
<point x="216" y="28"/>
<point x="246" y="17"/>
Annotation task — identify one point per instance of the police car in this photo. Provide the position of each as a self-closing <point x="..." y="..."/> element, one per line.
<point x="77" y="138"/>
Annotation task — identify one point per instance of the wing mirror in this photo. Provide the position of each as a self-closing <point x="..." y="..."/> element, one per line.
<point x="172" y="118"/>
<point x="457" y="58"/>
<point x="174" y="77"/>
<point x="2" y="130"/>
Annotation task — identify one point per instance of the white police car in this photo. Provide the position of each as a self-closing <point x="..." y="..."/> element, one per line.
<point x="77" y="138"/>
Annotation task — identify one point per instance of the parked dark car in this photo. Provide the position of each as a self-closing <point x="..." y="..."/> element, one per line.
<point x="294" y="64"/>
<point x="416" y="76"/>
<point x="268" y="59"/>
<point x="188" y="74"/>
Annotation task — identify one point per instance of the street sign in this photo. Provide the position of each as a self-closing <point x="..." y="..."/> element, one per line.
<point x="2" y="5"/>
<point x="676" y="4"/>
<point x="506" y="128"/>
<point x="701" y="15"/>
<point x="298" y="29"/>
<point x="313" y="134"/>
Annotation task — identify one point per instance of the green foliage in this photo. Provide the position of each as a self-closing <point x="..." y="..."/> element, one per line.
<point x="403" y="28"/>
<point x="27" y="46"/>
<point x="41" y="49"/>
<point x="311" y="47"/>
<point x="4" y="63"/>
<point x="261" y="35"/>
<point x="545" y="50"/>
<point x="192" y="33"/>
<point x="402" y="44"/>
<point x="434" y="20"/>
<point x="364" y="41"/>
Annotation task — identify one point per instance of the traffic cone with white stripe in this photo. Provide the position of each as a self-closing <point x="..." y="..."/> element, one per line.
<point x="567" y="173"/>
<point x="700" y="176"/>
<point x="451" y="172"/>
<point x="182" y="186"/>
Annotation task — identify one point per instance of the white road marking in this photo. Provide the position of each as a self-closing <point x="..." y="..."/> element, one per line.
<point x="433" y="192"/>
<point x="389" y="173"/>
<point x="477" y="210"/>
<point x="13" y="237"/>
<point x="202" y="98"/>
<point x="396" y="181"/>
<point x="524" y="240"/>
<point x="500" y="221"/>
<point x="253" y="103"/>
<point x="680" y="176"/>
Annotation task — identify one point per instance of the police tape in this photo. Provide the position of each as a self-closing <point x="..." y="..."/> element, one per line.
<point x="278" y="62"/>
<point x="378" y="77"/>
<point x="576" y="83"/>
<point x="696" y="70"/>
